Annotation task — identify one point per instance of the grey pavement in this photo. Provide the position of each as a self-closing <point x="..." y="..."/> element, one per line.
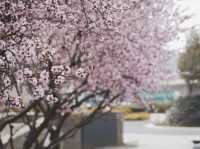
<point x="145" y="127"/>
<point x="142" y="135"/>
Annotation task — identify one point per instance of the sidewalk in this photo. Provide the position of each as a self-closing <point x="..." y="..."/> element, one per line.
<point x="144" y="135"/>
<point x="148" y="141"/>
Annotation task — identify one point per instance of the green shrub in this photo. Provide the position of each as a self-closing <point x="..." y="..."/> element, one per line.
<point x="185" y="112"/>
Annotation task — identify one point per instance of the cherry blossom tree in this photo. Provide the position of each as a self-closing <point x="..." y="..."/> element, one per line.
<point x="52" y="52"/>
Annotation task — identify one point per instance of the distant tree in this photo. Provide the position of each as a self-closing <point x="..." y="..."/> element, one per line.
<point x="185" y="110"/>
<point x="189" y="60"/>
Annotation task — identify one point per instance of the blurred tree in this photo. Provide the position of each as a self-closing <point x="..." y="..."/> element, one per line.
<point x="54" y="51"/>
<point x="185" y="111"/>
<point x="189" y="61"/>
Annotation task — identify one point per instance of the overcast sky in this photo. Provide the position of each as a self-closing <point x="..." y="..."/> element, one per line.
<point x="193" y="8"/>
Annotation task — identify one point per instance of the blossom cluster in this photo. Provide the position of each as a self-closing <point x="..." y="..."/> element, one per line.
<point x="48" y="45"/>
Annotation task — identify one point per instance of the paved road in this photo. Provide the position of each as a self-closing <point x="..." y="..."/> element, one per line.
<point x="144" y="127"/>
<point x="142" y="135"/>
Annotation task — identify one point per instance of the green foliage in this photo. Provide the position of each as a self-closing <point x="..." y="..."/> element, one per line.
<point x="185" y="112"/>
<point x="189" y="61"/>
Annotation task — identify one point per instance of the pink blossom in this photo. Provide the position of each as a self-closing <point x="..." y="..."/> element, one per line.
<point x="113" y="45"/>
<point x="19" y="76"/>
<point x="7" y="81"/>
<point x="38" y="92"/>
<point x="81" y="73"/>
<point x="33" y="81"/>
<point x="51" y="99"/>
<point x="44" y="77"/>
<point x="59" y="80"/>
<point x="57" y="69"/>
<point x="28" y="72"/>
